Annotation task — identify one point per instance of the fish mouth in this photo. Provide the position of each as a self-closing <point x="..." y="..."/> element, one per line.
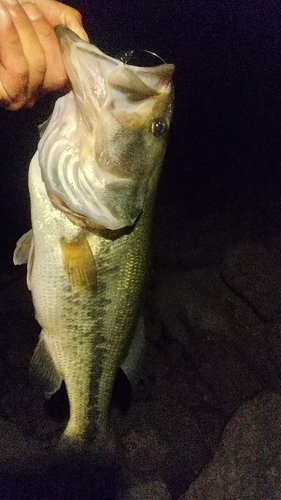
<point x="91" y="73"/>
<point x="92" y="154"/>
<point x="109" y="82"/>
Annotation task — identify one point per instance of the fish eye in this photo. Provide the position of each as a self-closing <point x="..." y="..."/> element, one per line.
<point x="159" y="127"/>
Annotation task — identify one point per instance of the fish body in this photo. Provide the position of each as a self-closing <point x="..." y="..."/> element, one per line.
<point x="92" y="187"/>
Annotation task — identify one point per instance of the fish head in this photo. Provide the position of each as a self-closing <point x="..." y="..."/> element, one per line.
<point x="116" y="123"/>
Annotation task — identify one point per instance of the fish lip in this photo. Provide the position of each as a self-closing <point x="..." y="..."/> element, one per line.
<point x="61" y="31"/>
<point x="64" y="34"/>
<point x="107" y="68"/>
<point x="75" y="53"/>
<point x="66" y="38"/>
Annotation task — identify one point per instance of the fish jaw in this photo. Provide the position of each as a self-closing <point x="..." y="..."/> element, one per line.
<point x="99" y="151"/>
<point x="101" y="82"/>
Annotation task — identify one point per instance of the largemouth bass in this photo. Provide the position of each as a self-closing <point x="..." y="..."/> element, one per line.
<point x="92" y="186"/>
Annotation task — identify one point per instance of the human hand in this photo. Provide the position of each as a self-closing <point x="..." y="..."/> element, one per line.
<point x="30" y="56"/>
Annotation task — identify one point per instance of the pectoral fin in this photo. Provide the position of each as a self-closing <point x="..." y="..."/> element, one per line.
<point x="24" y="253"/>
<point x="22" y="249"/>
<point x="79" y="263"/>
<point x="43" y="372"/>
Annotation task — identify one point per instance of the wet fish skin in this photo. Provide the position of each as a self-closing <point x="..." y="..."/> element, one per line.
<point x="88" y="250"/>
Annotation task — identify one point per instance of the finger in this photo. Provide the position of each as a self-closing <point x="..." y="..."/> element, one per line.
<point x="31" y="46"/>
<point x="55" y="76"/>
<point x="59" y="13"/>
<point x="13" y="65"/>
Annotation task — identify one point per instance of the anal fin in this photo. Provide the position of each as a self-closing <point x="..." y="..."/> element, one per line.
<point x="43" y="373"/>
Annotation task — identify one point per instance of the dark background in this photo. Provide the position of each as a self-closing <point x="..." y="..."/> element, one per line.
<point x="226" y="133"/>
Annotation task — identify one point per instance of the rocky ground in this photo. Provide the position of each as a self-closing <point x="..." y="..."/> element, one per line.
<point x="206" y="420"/>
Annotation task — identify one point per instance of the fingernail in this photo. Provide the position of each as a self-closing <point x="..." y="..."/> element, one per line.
<point x="5" y="18"/>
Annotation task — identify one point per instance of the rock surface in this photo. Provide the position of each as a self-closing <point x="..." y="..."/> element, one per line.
<point x="253" y="274"/>
<point x="247" y="463"/>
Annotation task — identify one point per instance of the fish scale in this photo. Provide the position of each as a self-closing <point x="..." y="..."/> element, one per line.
<point x="92" y="187"/>
<point x="101" y="316"/>
<point x="125" y="311"/>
